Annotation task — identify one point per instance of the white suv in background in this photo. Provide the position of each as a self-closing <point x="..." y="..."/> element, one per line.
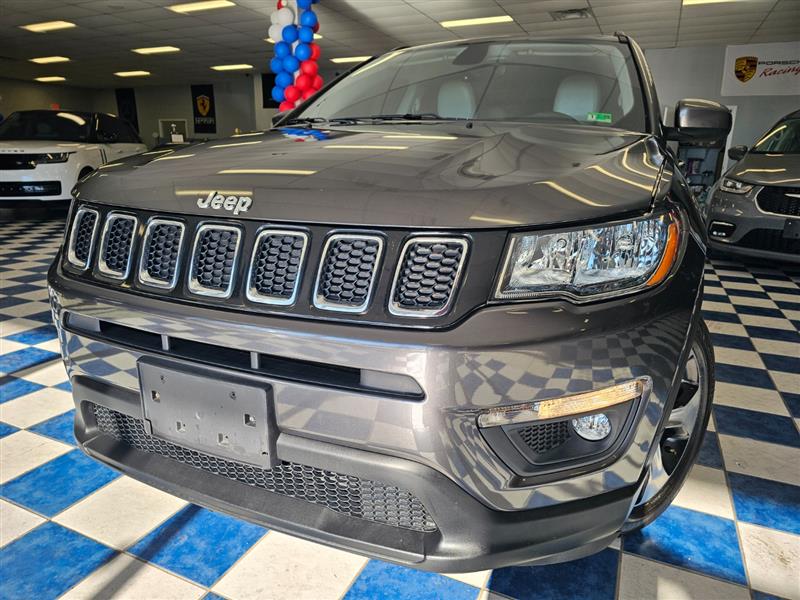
<point x="43" y="153"/>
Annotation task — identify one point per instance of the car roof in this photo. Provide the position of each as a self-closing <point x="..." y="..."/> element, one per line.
<point x="83" y="113"/>
<point x="577" y="39"/>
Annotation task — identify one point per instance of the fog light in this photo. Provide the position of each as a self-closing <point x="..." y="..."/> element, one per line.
<point x="592" y="427"/>
<point x="721" y="229"/>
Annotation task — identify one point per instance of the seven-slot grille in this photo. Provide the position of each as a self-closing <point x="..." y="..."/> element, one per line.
<point x="427" y="275"/>
<point x="81" y="243"/>
<point x="780" y="200"/>
<point x="213" y="260"/>
<point x="347" y="273"/>
<point x="162" y="246"/>
<point x="275" y="267"/>
<point x="115" y="250"/>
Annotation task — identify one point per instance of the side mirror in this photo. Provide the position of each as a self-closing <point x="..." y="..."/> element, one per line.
<point x="699" y="120"/>
<point x="737" y="152"/>
<point x="276" y="118"/>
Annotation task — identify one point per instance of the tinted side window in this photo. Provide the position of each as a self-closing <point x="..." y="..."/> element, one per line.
<point x="114" y="130"/>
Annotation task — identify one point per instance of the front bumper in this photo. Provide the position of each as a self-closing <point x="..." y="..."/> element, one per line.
<point x="486" y="513"/>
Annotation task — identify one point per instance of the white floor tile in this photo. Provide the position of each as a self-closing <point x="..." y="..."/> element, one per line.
<point x="120" y="513"/>
<point x="41" y="295"/>
<point x="280" y="566"/>
<point x="642" y="578"/>
<point x="126" y="577"/>
<point x="786" y="382"/>
<point x="13" y="326"/>
<point x="51" y="373"/>
<point x="747" y="301"/>
<point x="726" y="328"/>
<point x="718" y="306"/>
<point x="705" y="490"/>
<point x="9" y="346"/>
<point x="773" y="322"/>
<point x="772" y="559"/>
<point x="26" y="309"/>
<point x="782" y="297"/>
<point x="22" y="451"/>
<point x="736" y="285"/>
<point x="15" y="522"/>
<point x="751" y="398"/>
<point x="761" y="459"/>
<point x="712" y="426"/>
<point x="733" y="356"/>
<point x="36" y="407"/>
<point x="476" y="579"/>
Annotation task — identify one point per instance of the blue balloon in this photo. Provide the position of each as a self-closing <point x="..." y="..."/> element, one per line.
<point x="283" y="79"/>
<point x="308" y="18"/>
<point x="306" y="35"/>
<point x="282" y="50"/>
<point x="302" y="52"/>
<point x="291" y="64"/>
<point x="289" y="34"/>
<point x="304" y="4"/>
<point x="276" y="65"/>
<point x="277" y="94"/>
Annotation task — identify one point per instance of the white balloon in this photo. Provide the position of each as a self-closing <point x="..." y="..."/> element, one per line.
<point x="276" y="32"/>
<point x="285" y="16"/>
<point x="274" y="17"/>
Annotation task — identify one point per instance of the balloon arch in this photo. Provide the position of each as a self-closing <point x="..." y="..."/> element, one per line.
<point x="294" y="63"/>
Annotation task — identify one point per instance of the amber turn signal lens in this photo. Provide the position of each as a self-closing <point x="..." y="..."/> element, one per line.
<point x="669" y="257"/>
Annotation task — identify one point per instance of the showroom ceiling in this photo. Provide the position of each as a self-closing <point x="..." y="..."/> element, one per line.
<point x="106" y="31"/>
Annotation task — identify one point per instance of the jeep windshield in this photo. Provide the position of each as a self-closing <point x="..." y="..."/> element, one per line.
<point x="589" y="83"/>
<point x="47" y="125"/>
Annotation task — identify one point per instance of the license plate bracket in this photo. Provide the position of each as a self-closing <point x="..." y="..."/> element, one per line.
<point x="226" y="416"/>
<point x="791" y="229"/>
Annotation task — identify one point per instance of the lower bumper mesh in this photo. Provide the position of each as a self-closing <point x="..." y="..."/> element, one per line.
<point x="346" y="494"/>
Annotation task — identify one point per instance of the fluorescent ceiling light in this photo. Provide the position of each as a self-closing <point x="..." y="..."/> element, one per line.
<point x="350" y="59"/>
<point x="266" y="172"/>
<point x="364" y="147"/>
<point x="191" y="7"/>
<point x="156" y="50"/>
<point x="46" y="60"/>
<point x="693" y="2"/>
<point x="271" y="41"/>
<point x="232" y="67"/>
<point x="48" y="26"/>
<point x="50" y="79"/>
<point x="74" y="118"/>
<point x="479" y="21"/>
<point x="132" y="73"/>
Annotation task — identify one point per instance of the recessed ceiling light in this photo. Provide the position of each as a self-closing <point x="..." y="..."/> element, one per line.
<point x="46" y="60"/>
<point x="132" y="73"/>
<point x="693" y="2"/>
<point x="156" y="50"/>
<point x="190" y="7"/>
<point x="48" y="26"/>
<point x="350" y="59"/>
<point x="479" y="21"/>
<point x="50" y="79"/>
<point x="271" y="41"/>
<point x="232" y="67"/>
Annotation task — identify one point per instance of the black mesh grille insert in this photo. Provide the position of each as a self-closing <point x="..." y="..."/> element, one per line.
<point x="348" y="270"/>
<point x="428" y="273"/>
<point x="777" y="200"/>
<point x="82" y="237"/>
<point x="161" y="251"/>
<point x="545" y="437"/>
<point x="214" y="258"/>
<point x="117" y="244"/>
<point x="276" y="265"/>
<point x="771" y="240"/>
<point x="346" y="494"/>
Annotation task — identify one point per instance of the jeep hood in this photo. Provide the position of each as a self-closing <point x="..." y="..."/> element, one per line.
<point x="407" y="175"/>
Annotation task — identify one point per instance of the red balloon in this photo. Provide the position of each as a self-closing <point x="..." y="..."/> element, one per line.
<point x="308" y="93"/>
<point x="315" y="28"/>
<point x="285" y="105"/>
<point x="291" y="93"/>
<point x="280" y="4"/>
<point x="317" y="84"/>
<point x="315" y="51"/>
<point x="303" y="82"/>
<point x="309" y="67"/>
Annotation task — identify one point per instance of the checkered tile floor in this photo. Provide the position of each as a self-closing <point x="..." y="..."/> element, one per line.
<point x="70" y="526"/>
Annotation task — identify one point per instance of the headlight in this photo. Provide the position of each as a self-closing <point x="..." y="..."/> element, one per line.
<point x="735" y="187"/>
<point x="56" y="157"/>
<point x="587" y="263"/>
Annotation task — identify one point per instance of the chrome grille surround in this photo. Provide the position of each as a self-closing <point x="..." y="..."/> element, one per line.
<point x="79" y="231"/>
<point x="144" y="275"/>
<point x="252" y="292"/>
<point x="107" y="245"/>
<point x="194" y="285"/>
<point x="396" y="308"/>
<point x="320" y="301"/>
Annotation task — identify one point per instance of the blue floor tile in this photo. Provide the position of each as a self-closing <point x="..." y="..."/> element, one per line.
<point x="710" y="453"/>
<point x="764" y="502"/>
<point x="692" y="540"/>
<point x="756" y="425"/>
<point x="756" y="595"/>
<point x="713" y="315"/>
<point x="792" y="403"/>
<point x="759" y="311"/>
<point x="47" y="562"/>
<point x="787" y="364"/>
<point x="35" y="336"/>
<point x="384" y="581"/>
<point x="748" y="294"/>
<point x="13" y="387"/>
<point x="769" y="333"/>
<point x="723" y="340"/>
<point x="742" y="375"/>
<point x="212" y="596"/>
<point x="43" y="317"/>
<point x="66" y="386"/>
<point x="59" y="428"/>
<point x="9" y="301"/>
<point x="22" y="359"/>
<point x="57" y="484"/>
<point x="189" y="543"/>
<point x="6" y="429"/>
<point x="593" y="577"/>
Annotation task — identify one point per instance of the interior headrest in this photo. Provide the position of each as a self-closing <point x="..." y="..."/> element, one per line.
<point x="456" y="100"/>
<point x="577" y="96"/>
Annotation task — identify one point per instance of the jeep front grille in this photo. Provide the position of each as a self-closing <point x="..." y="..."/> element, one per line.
<point x="115" y="249"/>
<point x="347" y="272"/>
<point x="345" y="494"/>
<point x="84" y="228"/>
<point x="162" y="246"/>
<point x="275" y="267"/>
<point x="214" y="260"/>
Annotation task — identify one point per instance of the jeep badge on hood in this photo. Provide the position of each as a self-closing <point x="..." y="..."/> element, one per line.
<point x="216" y="200"/>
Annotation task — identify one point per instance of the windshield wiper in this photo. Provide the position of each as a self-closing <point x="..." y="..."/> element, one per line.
<point x="306" y="120"/>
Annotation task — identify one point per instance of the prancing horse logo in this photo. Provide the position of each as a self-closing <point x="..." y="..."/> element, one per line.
<point x="745" y="68"/>
<point x="203" y="105"/>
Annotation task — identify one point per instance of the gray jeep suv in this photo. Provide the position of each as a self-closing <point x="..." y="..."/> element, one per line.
<point x="445" y="313"/>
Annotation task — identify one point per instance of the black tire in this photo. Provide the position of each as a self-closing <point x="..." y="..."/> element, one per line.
<point x="647" y="512"/>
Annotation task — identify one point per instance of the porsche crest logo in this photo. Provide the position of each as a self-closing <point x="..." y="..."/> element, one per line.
<point x="204" y="102"/>
<point x="745" y="68"/>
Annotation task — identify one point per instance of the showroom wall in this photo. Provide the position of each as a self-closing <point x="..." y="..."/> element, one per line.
<point x="26" y="95"/>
